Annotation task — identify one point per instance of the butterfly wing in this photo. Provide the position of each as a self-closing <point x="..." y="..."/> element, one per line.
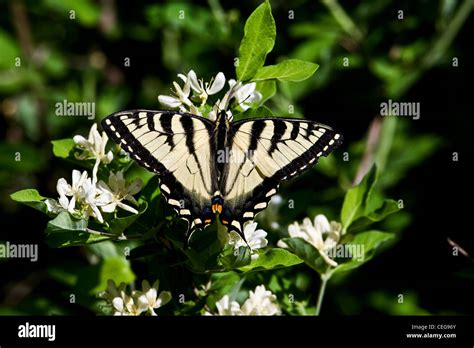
<point x="273" y="150"/>
<point x="178" y="147"/>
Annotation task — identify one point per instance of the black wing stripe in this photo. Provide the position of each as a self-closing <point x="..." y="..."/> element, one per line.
<point x="165" y="121"/>
<point x="257" y="129"/>
<point x="151" y="121"/>
<point x="278" y="131"/>
<point x="295" y="130"/>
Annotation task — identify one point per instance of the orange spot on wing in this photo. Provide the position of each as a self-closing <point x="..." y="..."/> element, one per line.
<point x="217" y="208"/>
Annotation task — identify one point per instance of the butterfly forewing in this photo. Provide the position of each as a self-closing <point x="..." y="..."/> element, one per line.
<point x="275" y="149"/>
<point x="176" y="146"/>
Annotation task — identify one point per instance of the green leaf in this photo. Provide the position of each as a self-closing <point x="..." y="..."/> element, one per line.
<point x="62" y="148"/>
<point x="119" y="224"/>
<point x="272" y="259"/>
<point x="222" y="284"/>
<point x="389" y="206"/>
<point x="10" y="50"/>
<point x="65" y="230"/>
<point x="204" y="250"/>
<point x="287" y="70"/>
<point x="104" y="249"/>
<point x="368" y="242"/>
<point x="232" y="259"/>
<point x="308" y="253"/>
<point x="356" y="198"/>
<point x="267" y="89"/>
<point x="261" y="111"/>
<point x="31" y="198"/>
<point x="93" y="279"/>
<point x="258" y="41"/>
<point x="87" y="12"/>
<point x="228" y="283"/>
<point x="387" y="133"/>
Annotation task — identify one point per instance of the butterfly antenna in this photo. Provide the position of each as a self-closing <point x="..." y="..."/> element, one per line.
<point x="243" y="101"/>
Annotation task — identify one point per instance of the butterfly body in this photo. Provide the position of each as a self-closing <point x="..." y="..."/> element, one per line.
<point x="219" y="168"/>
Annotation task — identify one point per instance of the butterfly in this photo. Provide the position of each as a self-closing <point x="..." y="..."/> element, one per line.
<point x="219" y="168"/>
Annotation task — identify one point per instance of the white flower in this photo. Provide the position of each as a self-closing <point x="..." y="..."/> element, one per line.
<point x="75" y="191"/>
<point x="180" y="99"/>
<point x="149" y="298"/>
<point x="125" y="305"/>
<point x="181" y="96"/>
<point x="261" y="302"/>
<point x="117" y="191"/>
<point x="204" y="89"/>
<point x="245" y="95"/>
<point x="137" y="302"/>
<point x="321" y="234"/>
<point x="255" y="239"/>
<point x="226" y="307"/>
<point x="122" y="303"/>
<point x="93" y="200"/>
<point x="84" y="199"/>
<point x="94" y="147"/>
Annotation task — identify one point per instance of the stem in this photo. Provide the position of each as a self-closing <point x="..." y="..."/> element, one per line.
<point x="322" y="288"/>
<point x="343" y="19"/>
<point x="443" y="42"/>
<point x="111" y="235"/>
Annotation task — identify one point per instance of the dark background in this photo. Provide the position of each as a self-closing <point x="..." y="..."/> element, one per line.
<point x="436" y="191"/>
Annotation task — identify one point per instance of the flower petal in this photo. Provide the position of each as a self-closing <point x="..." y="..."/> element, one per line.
<point x="63" y="187"/>
<point x="217" y="84"/>
<point x="118" y="304"/>
<point x="321" y="223"/>
<point x="109" y="208"/>
<point x="80" y="140"/>
<point x="163" y="298"/>
<point x="127" y="208"/>
<point x="193" y="81"/>
<point x="169" y="101"/>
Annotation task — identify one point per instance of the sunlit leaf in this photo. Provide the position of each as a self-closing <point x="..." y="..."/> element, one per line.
<point x="258" y="41"/>
<point x="273" y="258"/>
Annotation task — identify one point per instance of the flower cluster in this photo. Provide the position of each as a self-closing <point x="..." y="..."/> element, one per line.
<point x="193" y="95"/>
<point x="86" y="197"/>
<point x="260" y="302"/>
<point x="135" y="302"/>
<point x="321" y="233"/>
<point x="93" y="148"/>
<point x="255" y="239"/>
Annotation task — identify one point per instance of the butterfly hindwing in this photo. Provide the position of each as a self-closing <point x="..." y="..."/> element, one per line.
<point x="273" y="150"/>
<point x="178" y="147"/>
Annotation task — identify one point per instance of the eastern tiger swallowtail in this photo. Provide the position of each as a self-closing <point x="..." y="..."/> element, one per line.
<point x="219" y="167"/>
